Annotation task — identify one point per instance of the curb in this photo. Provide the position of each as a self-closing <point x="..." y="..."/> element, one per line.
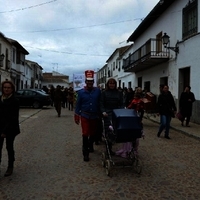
<point x="176" y="129"/>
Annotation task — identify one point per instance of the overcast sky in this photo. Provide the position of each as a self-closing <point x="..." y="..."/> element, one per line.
<point x="71" y="36"/>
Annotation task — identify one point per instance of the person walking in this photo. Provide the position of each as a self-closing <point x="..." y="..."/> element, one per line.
<point x="58" y="98"/>
<point x="65" y="94"/>
<point x="87" y="112"/>
<point x="187" y="98"/>
<point x="111" y="98"/>
<point x="51" y="93"/>
<point x="70" y="98"/>
<point x="129" y="96"/>
<point x="9" y="122"/>
<point x="166" y="108"/>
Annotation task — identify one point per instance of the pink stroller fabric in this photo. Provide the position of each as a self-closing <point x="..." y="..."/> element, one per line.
<point x="126" y="148"/>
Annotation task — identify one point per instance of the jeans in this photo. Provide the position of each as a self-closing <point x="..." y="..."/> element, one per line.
<point x="164" y="123"/>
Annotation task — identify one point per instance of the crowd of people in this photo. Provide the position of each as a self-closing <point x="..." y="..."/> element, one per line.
<point x="95" y="105"/>
<point x="93" y="110"/>
<point x="62" y="97"/>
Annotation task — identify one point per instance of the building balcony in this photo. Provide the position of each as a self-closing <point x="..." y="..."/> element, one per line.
<point x="148" y="55"/>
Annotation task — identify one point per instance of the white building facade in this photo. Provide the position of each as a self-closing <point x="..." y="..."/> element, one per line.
<point x="178" y="64"/>
<point x="147" y="63"/>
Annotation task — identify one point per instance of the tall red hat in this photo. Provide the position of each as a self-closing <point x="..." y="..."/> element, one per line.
<point x="89" y="75"/>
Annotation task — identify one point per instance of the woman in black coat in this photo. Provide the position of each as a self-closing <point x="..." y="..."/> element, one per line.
<point x="185" y="103"/>
<point x="111" y="99"/>
<point x="9" y="122"/>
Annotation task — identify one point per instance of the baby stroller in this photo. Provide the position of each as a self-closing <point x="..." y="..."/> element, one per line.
<point x="126" y="127"/>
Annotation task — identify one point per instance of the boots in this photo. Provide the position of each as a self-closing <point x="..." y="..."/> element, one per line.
<point x="90" y="144"/>
<point x="85" y="155"/>
<point x="91" y="148"/>
<point x="9" y="171"/>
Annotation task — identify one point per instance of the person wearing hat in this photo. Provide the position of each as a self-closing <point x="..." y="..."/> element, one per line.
<point x="87" y="111"/>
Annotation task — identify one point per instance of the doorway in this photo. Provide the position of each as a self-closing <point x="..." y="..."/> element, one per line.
<point x="184" y="79"/>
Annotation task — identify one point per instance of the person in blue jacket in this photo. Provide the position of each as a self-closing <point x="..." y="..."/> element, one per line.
<point x="87" y="111"/>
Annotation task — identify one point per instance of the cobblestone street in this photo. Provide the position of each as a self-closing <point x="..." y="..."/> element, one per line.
<point x="49" y="164"/>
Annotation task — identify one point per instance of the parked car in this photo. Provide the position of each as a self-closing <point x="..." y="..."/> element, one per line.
<point x="33" y="98"/>
<point x="41" y="90"/>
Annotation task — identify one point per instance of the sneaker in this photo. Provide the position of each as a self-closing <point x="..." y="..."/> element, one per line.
<point x="158" y="134"/>
<point x="167" y="137"/>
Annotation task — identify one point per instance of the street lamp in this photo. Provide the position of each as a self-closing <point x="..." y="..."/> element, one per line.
<point x="165" y="40"/>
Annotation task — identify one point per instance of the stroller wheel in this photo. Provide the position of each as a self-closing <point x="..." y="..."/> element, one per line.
<point x="108" y="167"/>
<point x="138" y="165"/>
<point x="103" y="159"/>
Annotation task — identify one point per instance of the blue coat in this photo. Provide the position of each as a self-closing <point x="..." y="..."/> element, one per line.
<point x="88" y="103"/>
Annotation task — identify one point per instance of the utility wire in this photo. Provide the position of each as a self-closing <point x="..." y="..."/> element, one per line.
<point x="79" y="27"/>
<point x="64" y="52"/>
<point x="25" y="8"/>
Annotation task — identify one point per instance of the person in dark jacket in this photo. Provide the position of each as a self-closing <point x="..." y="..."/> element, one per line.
<point x="185" y="103"/>
<point x="9" y="122"/>
<point x="129" y="97"/>
<point x="111" y="99"/>
<point x="166" y="108"/>
<point x="87" y="111"/>
<point x="58" y="99"/>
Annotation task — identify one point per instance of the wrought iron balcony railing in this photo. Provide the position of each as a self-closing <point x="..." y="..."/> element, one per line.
<point x="150" y="54"/>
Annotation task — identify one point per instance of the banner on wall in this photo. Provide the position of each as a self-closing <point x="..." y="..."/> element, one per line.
<point x="79" y="81"/>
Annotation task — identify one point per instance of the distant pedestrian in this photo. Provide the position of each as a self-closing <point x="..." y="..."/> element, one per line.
<point x="87" y="112"/>
<point x="9" y="122"/>
<point x="65" y="94"/>
<point x="51" y="93"/>
<point x="70" y="98"/>
<point x="129" y="96"/>
<point x="166" y="108"/>
<point x="58" y="99"/>
<point x="187" y="98"/>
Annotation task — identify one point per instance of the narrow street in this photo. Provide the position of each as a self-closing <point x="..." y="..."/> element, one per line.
<point x="49" y="164"/>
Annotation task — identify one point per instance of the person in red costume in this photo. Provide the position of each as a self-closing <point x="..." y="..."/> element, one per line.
<point x="87" y="111"/>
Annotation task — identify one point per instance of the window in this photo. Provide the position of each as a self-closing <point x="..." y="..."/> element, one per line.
<point x="147" y="86"/>
<point x="190" y="16"/>
<point x="139" y="82"/>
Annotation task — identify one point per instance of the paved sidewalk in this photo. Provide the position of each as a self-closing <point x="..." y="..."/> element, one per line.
<point x="192" y="131"/>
